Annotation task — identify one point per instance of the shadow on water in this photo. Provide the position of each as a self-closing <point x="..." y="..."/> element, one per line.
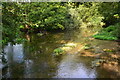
<point x="34" y="59"/>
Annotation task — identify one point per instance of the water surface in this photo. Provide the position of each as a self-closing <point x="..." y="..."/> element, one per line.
<point x="35" y="59"/>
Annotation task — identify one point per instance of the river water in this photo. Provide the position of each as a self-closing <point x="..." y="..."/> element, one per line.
<point x="35" y="59"/>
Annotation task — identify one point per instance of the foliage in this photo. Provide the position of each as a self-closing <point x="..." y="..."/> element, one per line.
<point x="87" y="15"/>
<point x="95" y="14"/>
<point x="110" y="11"/>
<point x="31" y="17"/>
<point x="43" y="15"/>
<point x="9" y="19"/>
<point x="105" y="37"/>
<point x="109" y="33"/>
<point x="36" y="16"/>
<point x="117" y="30"/>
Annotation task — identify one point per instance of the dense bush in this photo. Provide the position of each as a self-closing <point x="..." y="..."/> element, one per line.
<point x="110" y="11"/>
<point x="31" y="17"/>
<point x="9" y="19"/>
<point x="87" y="15"/>
<point x="95" y="14"/>
<point x="43" y="15"/>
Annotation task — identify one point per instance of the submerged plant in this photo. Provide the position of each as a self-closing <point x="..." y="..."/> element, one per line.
<point x="87" y="46"/>
<point x="58" y="51"/>
<point x="40" y="34"/>
<point x="63" y="48"/>
<point x="97" y="62"/>
<point x="108" y="50"/>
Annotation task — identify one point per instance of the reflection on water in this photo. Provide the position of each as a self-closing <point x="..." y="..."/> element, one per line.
<point x="34" y="59"/>
<point x="71" y="67"/>
<point x="18" y="53"/>
<point x="15" y="57"/>
<point x="28" y="68"/>
<point x="14" y="52"/>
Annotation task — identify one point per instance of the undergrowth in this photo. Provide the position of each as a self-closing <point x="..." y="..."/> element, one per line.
<point x="109" y="33"/>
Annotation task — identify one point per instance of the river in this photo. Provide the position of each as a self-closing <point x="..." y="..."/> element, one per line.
<point x="35" y="59"/>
